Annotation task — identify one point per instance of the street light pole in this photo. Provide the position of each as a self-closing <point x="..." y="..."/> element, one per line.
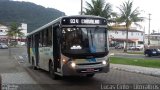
<point x="81" y="7"/>
<point x="9" y="47"/>
<point x="149" y="29"/>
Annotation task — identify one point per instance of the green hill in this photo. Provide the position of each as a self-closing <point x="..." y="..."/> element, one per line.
<point x="30" y="13"/>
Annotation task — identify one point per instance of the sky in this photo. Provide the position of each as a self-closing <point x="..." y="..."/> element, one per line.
<point x="73" y="7"/>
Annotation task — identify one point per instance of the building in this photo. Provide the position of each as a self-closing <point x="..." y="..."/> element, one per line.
<point x="21" y="40"/>
<point x="3" y="32"/>
<point x="154" y="39"/>
<point x="135" y="37"/>
<point x="4" y="37"/>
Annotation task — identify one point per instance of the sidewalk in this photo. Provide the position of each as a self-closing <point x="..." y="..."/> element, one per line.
<point x="0" y="82"/>
<point x="137" y="69"/>
<point x="122" y="53"/>
<point x="12" y="73"/>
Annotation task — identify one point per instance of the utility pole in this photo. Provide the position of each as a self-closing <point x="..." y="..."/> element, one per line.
<point x="144" y="35"/>
<point x="144" y="43"/>
<point x="81" y="7"/>
<point x="158" y="37"/>
<point x="9" y="46"/>
<point x="149" y="29"/>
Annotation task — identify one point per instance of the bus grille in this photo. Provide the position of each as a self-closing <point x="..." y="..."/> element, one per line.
<point x="86" y="71"/>
<point x="89" y="63"/>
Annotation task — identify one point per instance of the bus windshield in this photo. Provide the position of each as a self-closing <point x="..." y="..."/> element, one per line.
<point x="84" y="41"/>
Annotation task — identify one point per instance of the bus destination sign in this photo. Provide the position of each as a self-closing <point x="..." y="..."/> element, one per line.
<point x="83" y="21"/>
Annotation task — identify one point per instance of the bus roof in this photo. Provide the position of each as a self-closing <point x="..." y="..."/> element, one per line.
<point x="59" y="19"/>
<point x="87" y="16"/>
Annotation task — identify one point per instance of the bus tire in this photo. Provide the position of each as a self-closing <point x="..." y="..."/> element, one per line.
<point x="90" y="75"/>
<point x="149" y="55"/>
<point x="52" y="72"/>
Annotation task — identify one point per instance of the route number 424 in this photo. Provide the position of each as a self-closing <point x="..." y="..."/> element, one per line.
<point x="74" y="21"/>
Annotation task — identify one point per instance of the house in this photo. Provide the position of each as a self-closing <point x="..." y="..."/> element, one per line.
<point x="118" y="36"/>
<point x="154" y="40"/>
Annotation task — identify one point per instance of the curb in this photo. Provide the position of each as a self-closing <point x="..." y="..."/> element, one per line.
<point x="0" y="82"/>
<point x="128" y="54"/>
<point x="136" y="71"/>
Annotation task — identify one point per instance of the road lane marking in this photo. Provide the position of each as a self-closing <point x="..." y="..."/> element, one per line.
<point x="20" y="57"/>
<point x="17" y="60"/>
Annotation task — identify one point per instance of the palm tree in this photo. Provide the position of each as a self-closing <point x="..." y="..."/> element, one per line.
<point x="11" y="31"/>
<point x="14" y="31"/>
<point x="99" y="8"/>
<point x="20" y="35"/>
<point x="128" y="16"/>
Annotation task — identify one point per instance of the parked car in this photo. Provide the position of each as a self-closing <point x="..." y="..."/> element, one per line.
<point x="152" y="52"/>
<point x="137" y="48"/>
<point x="158" y="51"/>
<point x="131" y="48"/>
<point x="3" y="46"/>
<point x="119" y="47"/>
<point x="140" y="47"/>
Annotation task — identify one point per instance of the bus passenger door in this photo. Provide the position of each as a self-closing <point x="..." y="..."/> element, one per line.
<point x="37" y="48"/>
<point x="28" y="49"/>
<point x="56" y="48"/>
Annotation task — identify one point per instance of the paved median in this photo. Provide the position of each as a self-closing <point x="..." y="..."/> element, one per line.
<point x="0" y="82"/>
<point x="137" y="69"/>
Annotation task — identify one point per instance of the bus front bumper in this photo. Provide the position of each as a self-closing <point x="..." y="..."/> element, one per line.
<point x="83" y="70"/>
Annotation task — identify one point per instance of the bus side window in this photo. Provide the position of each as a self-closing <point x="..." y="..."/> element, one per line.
<point x="44" y="38"/>
<point x="29" y="42"/>
<point x="49" y="37"/>
<point x="32" y="41"/>
<point x="41" y="39"/>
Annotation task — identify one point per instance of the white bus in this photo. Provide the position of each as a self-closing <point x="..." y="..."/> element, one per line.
<point x="70" y="45"/>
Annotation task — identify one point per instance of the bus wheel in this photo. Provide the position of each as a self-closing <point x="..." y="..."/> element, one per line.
<point x="52" y="72"/>
<point x="90" y="75"/>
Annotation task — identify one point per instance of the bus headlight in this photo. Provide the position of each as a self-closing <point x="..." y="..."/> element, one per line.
<point x="73" y="64"/>
<point x="64" y="61"/>
<point x="104" y="62"/>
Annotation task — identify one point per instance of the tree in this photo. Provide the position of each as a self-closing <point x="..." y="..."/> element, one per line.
<point x="14" y="31"/>
<point x="99" y="8"/>
<point x="11" y="30"/>
<point x="128" y="16"/>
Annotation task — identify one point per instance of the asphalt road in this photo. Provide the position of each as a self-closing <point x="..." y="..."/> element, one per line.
<point x="29" y="79"/>
<point x="136" y="56"/>
<point x="119" y="53"/>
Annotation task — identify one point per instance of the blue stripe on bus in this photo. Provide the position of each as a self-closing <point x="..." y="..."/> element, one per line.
<point x="33" y="50"/>
<point x="91" y="60"/>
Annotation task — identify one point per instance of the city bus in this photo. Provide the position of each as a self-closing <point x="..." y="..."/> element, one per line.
<point x="69" y="46"/>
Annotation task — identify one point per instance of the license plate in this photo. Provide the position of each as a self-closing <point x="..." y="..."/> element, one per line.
<point x="90" y="70"/>
<point x="154" y="52"/>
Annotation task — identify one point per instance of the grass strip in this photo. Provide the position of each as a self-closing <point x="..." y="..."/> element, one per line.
<point x="136" y="62"/>
<point x="135" y="52"/>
